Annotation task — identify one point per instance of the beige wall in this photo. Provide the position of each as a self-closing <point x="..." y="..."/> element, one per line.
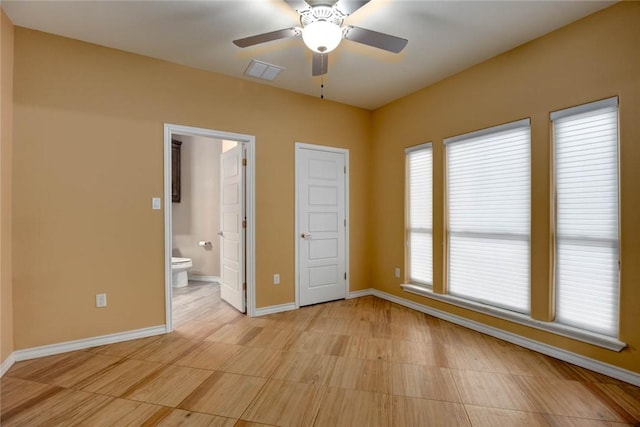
<point x="197" y="216"/>
<point x="592" y="59"/>
<point x="6" y="144"/>
<point x="88" y="158"/>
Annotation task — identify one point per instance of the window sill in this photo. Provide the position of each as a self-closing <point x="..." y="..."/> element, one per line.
<point x="552" y="327"/>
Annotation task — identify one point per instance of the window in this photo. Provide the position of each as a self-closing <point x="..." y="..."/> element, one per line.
<point x="488" y="195"/>
<point x="419" y="200"/>
<point x="586" y="180"/>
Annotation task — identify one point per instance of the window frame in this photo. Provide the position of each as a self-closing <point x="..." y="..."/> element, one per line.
<point x="408" y="229"/>
<point x="493" y="130"/>
<point x="612" y="102"/>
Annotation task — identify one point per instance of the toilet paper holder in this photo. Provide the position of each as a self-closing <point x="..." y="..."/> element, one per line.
<point x="205" y="244"/>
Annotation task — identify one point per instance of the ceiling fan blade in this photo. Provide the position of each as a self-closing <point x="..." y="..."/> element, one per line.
<point x="266" y="37"/>
<point x="297" y="5"/>
<point x="349" y="6"/>
<point x="375" y="39"/>
<point x="320" y="64"/>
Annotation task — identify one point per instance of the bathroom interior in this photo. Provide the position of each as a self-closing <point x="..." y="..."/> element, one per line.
<point x="195" y="262"/>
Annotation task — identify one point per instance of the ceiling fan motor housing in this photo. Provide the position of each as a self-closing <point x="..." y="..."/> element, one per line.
<point x="321" y="27"/>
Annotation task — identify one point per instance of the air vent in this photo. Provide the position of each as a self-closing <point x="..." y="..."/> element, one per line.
<point x="262" y="70"/>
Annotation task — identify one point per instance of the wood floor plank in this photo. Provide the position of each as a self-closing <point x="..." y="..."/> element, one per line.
<point x="413" y="352"/>
<point x="360" y="347"/>
<point x="36" y="367"/>
<point x="529" y="364"/>
<point x="309" y="368"/>
<point x="625" y="399"/>
<point x="358" y="374"/>
<point x="494" y="417"/>
<point x="568" y="398"/>
<point x="67" y="407"/>
<point x="475" y="358"/>
<point x="257" y="362"/>
<point x="209" y="355"/>
<point x="411" y="411"/>
<point x="275" y="339"/>
<point x="341" y="407"/>
<point x="16" y="392"/>
<point x="167" y="349"/>
<point x="121" y="412"/>
<point x="491" y="390"/>
<point x="560" y="421"/>
<point x="327" y="344"/>
<point x="195" y="329"/>
<point x="168" y="387"/>
<point x="224" y="394"/>
<point x="72" y="370"/>
<point x="426" y="382"/>
<point x="286" y="404"/>
<point x="178" y="417"/>
<point x="243" y="423"/>
<point x="117" y="379"/>
<point x="125" y="348"/>
<point x="234" y="334"/>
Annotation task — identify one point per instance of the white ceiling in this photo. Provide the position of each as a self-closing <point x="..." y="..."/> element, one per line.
<point x="445" y="37"/>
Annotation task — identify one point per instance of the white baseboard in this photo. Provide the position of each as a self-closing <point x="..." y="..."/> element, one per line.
<point x="7" y="364"/>
<point x="558" y="353"/>
<point x="213" y="279"/>
<point x="49" y="350"/>
<point x="272" y="309"/>
<point x="361" y="293"/>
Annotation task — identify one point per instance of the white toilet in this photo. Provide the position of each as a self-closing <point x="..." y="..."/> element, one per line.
<point x="179" y="267"/>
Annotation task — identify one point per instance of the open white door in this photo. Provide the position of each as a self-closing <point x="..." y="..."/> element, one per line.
<point x="232" y="231"/>
<point x="321" y="213"/>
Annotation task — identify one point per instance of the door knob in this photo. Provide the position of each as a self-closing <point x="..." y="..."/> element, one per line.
<point x="305" y="236"/>
<point x="220" y="233"/>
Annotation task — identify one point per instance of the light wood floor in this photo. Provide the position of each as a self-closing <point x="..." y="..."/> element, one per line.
<point x="361" y="362"/>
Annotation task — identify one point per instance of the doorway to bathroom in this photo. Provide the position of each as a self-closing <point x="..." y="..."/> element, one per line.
<point x="209" y="224"/>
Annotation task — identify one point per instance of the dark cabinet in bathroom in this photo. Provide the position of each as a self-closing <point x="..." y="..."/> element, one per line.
<point x="175" y="170"/>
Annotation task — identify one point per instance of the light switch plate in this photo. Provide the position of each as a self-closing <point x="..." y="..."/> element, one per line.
<point x="155" y="203"/>
<point x="397" y="272"/>
<point x="276" y="279"/>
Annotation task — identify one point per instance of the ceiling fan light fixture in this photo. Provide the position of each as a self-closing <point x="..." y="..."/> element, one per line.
<point x="322" y="36"/>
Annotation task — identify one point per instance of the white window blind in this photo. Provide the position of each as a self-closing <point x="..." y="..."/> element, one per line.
<point x="586" y="178"/>
<point x="420" y="206"/>
<point x="488" y="189"/>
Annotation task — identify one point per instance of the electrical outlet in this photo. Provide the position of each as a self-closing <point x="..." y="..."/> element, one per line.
<point x="101" y="300"/>
<point x="397" y="272"/>
<point x="276" y="279"/>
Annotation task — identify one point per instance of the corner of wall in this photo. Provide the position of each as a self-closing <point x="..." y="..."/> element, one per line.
<point x="6" y="145"/>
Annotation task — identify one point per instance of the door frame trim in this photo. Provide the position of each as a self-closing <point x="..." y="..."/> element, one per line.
<point x="299" y="146"/>
<point x="250" y="233"/>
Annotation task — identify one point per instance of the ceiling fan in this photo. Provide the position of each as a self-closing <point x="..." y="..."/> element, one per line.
<point x="322" y="30"/>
